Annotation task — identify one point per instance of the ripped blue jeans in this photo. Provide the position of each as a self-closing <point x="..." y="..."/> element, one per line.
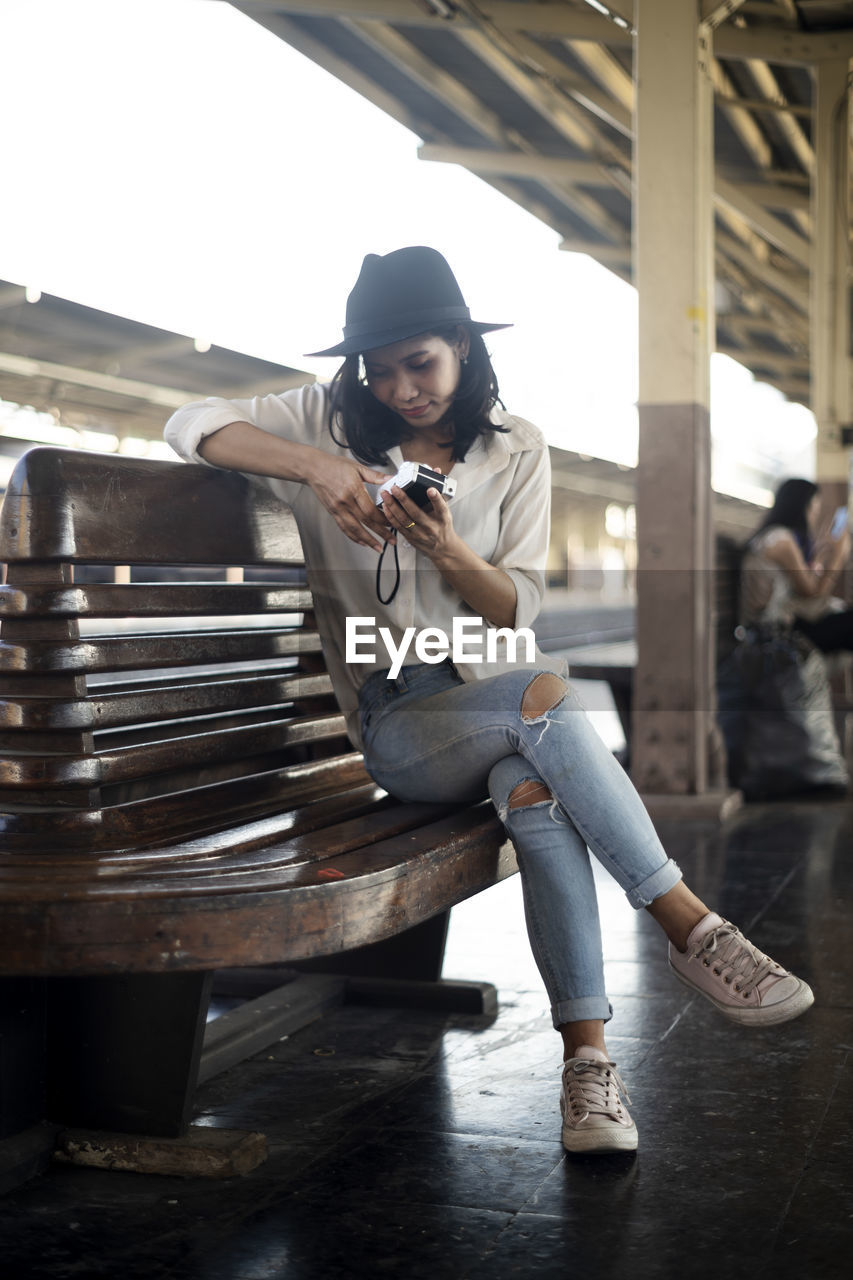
<point x="428" y="735"/>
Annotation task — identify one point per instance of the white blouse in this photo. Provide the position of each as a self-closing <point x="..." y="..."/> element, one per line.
<point x="501" y="509"/>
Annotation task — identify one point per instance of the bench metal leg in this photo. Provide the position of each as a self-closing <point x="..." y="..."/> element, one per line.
<point x="26" y="1142"/>
<point x="123" y="1051"/>
<point x="417" y="954"/>
<point x="405" y="970"/>
<point x="22" y="1072"/>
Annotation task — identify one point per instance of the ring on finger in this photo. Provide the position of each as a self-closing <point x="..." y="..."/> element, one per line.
<point x="410" y="525"/>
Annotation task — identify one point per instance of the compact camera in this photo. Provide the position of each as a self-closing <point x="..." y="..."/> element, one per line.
<point x="414" y="479"/>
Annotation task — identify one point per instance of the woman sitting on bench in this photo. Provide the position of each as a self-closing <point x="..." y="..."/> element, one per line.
<point x="417" y="386"/>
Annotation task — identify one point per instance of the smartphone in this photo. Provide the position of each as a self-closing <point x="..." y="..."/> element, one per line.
<point x="839" y="522"/>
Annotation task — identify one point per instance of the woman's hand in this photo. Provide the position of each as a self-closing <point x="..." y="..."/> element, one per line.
<point x="832" y="553"/>
<point x="486" y="589"/>
<point x="339" y="485"/>
<point x="337" y="482"/>
<point x="429" y="529"/>
<point x="842" y="546"/>
<point x="818" y="577"/>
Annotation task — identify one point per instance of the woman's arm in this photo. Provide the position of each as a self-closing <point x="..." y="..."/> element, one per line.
<point x="806" y="579"/>
<point x="487" y="590"/>
<point x="337" y="482"/>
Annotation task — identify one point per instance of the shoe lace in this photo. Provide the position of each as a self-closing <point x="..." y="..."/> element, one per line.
<point x="594" y="1088"/>
<point x="748" y="966"/>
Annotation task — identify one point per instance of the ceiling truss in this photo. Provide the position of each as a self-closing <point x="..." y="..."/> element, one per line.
<point x="568" y="63"/>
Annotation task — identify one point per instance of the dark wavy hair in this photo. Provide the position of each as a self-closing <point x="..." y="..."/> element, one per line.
<point x="370" y="429"/>
<point x="790" y="509"/>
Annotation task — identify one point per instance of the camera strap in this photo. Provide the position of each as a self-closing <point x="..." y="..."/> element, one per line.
<point x="396" y="586"/>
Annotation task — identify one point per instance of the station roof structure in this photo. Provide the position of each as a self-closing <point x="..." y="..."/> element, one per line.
<point x="103" y="372"/>
<point x="536" y="97"/>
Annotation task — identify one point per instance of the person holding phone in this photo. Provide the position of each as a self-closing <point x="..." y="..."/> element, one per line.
<point x="417" y="385"/>
<point x="788" y="574"/>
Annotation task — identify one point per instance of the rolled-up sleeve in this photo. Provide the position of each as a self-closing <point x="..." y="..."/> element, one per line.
<point x="300" y="414"/>
<point x="522" y="547"/>
<point x="192" y="423"/>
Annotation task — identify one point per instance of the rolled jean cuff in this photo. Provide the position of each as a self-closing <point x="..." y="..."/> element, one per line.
<point x="581" y="1010"/>
<point x="658" y="883"/>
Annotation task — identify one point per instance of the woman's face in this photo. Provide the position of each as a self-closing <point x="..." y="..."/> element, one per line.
<point x="416" y="378"/>
<point x="813" y="510"/>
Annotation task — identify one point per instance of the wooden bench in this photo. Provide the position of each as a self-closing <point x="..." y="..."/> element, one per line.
<point x="179" y="797"/>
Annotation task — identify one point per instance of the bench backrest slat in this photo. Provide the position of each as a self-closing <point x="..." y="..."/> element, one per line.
<point x="138" y="512"/>
<point x="131" y="708"/>
<point x="153" y="600"/>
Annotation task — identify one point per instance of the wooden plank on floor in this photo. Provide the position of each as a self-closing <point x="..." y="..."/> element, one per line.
<point x="203" y="1152"/>
<point x="252" y="1026"/>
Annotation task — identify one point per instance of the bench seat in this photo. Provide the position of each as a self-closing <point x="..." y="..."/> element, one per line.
<point x="177" y="791"/>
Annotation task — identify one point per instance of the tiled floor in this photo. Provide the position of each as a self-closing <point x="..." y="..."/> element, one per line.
<point x="404" y="1144"/>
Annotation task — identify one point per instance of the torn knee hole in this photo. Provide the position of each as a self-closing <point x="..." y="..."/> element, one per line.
<point x="529" y="792"/>
<point x="541" y="695"/>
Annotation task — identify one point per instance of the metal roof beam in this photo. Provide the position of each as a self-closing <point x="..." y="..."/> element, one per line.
<point x="785" y="178"/>
<point x="715" y="12"/>
<point x="728" y="194"/>
<point x="131" y="389"/>
<point x="788" y="124"/>
<point x="617" y="81"/>
<point x="429" y="76"/>
<point x="318" y="52"/>
<point x="392" y="106"/>
<point x="450" y="92"/>
<point x="604" y="103"/>
<point x="607" y="254"/>
<point x="794" y="287"/>
<point x="747" y="129"/>
<point x="780" y="44"/>
<point x="561" y="20"/>
<point x="608" y="71"/>
<point x="776" y="44"/>
<point x="764" y="105"/>
<point x="560" y="114"/>
<point x="768" y="226"/>
<point x="541" y="19"/>
<point x="744" y="325"/>
<point x="519" y="164"/>
<point x="739" y="211"/>
<point x="533" y="89"/>
<point x="746" y="126"/>
<point x="774" y="195"/>
<point x="786" y="324"/>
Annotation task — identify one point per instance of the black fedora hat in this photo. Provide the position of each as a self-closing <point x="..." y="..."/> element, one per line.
<point x="400" y="295"/>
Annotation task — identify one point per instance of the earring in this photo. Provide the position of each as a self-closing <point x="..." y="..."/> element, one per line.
<point x="463" y="359"/>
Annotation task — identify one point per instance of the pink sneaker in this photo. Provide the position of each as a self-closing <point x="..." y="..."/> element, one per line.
<point x="594" y="1118"/>
<point x="739" y="980"/>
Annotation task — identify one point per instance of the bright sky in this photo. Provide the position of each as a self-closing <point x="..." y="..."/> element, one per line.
<point x="174" y="162"/>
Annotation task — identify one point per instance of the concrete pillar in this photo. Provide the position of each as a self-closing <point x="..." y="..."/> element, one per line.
<point x="830" y="279"/>
<point x="673" y="250"/>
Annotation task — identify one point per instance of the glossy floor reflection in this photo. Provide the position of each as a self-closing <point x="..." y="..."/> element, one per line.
<point x="404" y="1144"/>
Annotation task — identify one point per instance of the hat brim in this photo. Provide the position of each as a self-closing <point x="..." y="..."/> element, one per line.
<point x="370" y="341"/>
